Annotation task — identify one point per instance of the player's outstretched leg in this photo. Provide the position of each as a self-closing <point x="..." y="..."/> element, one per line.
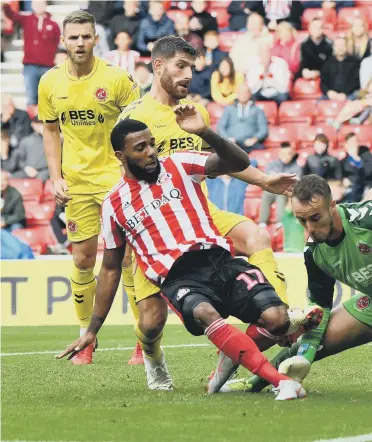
<point x="149" y="331"/>
<point x="83" y="287"/>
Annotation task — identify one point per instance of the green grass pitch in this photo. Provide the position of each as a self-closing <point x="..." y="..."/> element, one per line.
<point x="48" y="400"/>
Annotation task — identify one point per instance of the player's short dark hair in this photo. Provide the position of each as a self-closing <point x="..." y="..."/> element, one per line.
<point x="350" y="135"/>
<point x="142" y="64"/>
<point x="285" y="144"/>
<point x="167" y="47"/>
<point x="122" y="129"/>
<point x="322" y="138"/>
<point x="79" y="17"/>
<point x="310" y="185"/>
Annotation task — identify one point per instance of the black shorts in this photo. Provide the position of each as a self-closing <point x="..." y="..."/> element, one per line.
<point x="231" y="285"/>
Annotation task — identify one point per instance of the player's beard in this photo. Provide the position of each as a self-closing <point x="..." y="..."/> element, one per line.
<point x="170" y="87"/>
<point x="142" y="174"/>
<point x="80" y="60"/>
<point x="324" y="238"/>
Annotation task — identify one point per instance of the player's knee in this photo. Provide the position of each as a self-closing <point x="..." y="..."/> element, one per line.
<point x="84" y="260"/>
<point x="153" y="317"/>
<point x="259" y="239"/>
<point x="205" y="314"/>
<point x="275" y="320"/>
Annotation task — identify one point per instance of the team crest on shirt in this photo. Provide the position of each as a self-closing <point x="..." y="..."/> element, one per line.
<point x="363" y="302"/>
<point x="101" y="94"/>
<point x="364" y="248"/>
<point x="164" y="177"/>
<point x="72" y="226"/>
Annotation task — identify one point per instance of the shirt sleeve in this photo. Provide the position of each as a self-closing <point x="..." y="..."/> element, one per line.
<point x="359" y="214"/>
<point x="127" y="90"/>
<point x="320" y="284"/>
<point x="113" y="235"/>
<point x="193" y="163"/>
<point x="46" y="110"/>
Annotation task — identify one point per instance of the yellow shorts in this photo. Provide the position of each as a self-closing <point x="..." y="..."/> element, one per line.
<point x="225" y="221"/>
<point x="83" y="216"/>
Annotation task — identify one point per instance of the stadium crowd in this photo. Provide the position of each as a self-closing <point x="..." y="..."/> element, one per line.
<point x="277" y="77"/>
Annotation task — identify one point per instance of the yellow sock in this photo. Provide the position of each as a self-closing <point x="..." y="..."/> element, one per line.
<point x="128" y="282"/>
<point x="150" y="346"/>
<point x="265" y="260"/>
<point x="83" y="286"/>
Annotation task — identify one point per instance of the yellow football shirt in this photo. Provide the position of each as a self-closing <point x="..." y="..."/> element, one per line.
<point x="161" y="120"/>
<point x="87" y="109"/>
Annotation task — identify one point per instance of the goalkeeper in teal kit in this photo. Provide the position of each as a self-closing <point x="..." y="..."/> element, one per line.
<point x="339" y="248"/>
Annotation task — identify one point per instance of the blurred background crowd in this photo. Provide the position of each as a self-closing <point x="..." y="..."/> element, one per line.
<point x="278" y="77"/>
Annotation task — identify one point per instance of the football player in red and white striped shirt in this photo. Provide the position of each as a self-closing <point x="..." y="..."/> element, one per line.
<point x="159" y="209"/>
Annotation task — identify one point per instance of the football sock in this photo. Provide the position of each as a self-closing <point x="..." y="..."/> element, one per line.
<point x="241" y="349"/>
<point x="151" y="347"/>
<point x="83" y="287"/>
<point x="265" y="261"/>
<point x="263" y="339"/>
<point x="128" y="282"/>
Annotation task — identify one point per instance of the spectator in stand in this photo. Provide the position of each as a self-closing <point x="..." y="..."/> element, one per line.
<point x="269" y="78"/>
<point x="202" y="21"/>
<point x="156" y="25"/>
<point x="41" y="38"/>
<point x="286" y="163"/>
<point x="11" y="203"/>
<point x="13" y="248"/>
<point x="243" y="122"/>
<point x="340" y="74"/>
<point x="60" y="57"/>
<point x="251" y="44"/>
<point x="365" y="73"/>
<point x="123" y="56"/>
<point x="182" y="26"/>
<point x="328" y="4"/>
<point x="129" y="22"/>
<point x="337" y="190"/>
<point x="15" y="120"/>
<point x="356" y="168"/>
<point x="200" y="86"/>
<point x="58" y="223"/>
<point x="102" y="46"/>
<point x="358" y="42"/>
<point x="321" y="163"/>
<point x="32" y="162"/>
<point x="9" y="156"/>
<point x="240" y="11"/>
<point x="315" y="50"/>
<point x="143" y="77"/>
<point x="286" y="46"/>
<point x="227" y="193"/>
<point x="102" y="11"/>
<point x="277" y="11"/>
<point x="225" y="83"/>
<point x="213" y="55"/>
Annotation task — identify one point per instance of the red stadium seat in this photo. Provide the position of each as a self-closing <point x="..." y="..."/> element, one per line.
<point x="215" y="111"/>
<point x="307" y="135"/>
<point x="277" y="135"/>
<point x="328" y="16"/>
<point x="277" y="237"/>
<point x="252" y="208"/>
<point x="271" y="110"/>
<point x="215" y="4"/>
<point x="253" y="191"/>
<point x="296" y="111"/>
<point x="48" y="194"/>
<point x="146" y="60"/>
<point x="174" y="14"/>
<point x="328" y="109"/>
<point x="306" y="89"/>
<point x="36" y="237"/>
<point x="227" y="39"/>
<point x="301" y="36"/>
<point x="31" y="189"/>
<point x="346" y="17"/>
<point x="39" y="214"/>
<point x="222" y="17"/>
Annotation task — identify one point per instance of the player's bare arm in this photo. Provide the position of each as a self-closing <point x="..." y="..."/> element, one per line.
<point x="53" y="153"/>
<point x="228" y="158"/>
<point x="108" y="283"/>
<point x="368" y="196"/>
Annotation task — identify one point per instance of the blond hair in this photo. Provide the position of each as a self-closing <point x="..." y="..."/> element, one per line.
<point x="363" y="42"/>
<point x="79" y="17"/>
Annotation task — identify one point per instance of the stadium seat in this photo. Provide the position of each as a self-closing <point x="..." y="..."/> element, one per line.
<point x="271" y="110"/>
<point x="276" y="235"/>
<point x="328" y="109"/>
<point x="296" y="111"/>
<point x="280" y="134"/>
<point x="306" y="89"/>
<point x="263" y="157"/>
<point x="252" y="208"/>
<point x="174" y="14"/>
<point x="36" y="237"/>
<point x="215" y="111"/>
<point x="48" y="194"/>
<point x="328" y="16"/>
<point x="307" y="135"/>
<point x="364" y="134"/>
<point x="346" y="17"/>
<point x="303" y="154"/>
<point x="301" y="36"/>
<point x="227" y="39"/>
<point x="222" y="17"/>
<point x="146" y="60"/>
<point x="253" y="191"/>
<point x="31" y="189"/>
<point x="215" y="4"/>
<point x="39" y="214"/>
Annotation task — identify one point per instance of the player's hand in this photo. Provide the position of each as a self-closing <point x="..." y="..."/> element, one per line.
<point x="61" y="192"/>
<point x="189" y="119"/>
<point x="280" y="183"/>
<point x="77" y="345"/>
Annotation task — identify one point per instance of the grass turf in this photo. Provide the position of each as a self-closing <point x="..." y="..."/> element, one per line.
<point x="48" y="400"/>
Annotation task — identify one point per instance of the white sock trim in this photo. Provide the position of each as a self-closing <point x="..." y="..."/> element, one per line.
<point x="214" y="326"/>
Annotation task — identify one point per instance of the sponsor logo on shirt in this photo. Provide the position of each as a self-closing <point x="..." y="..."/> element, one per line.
<point x="85" y="117"/>
<point x="163" y="178"/>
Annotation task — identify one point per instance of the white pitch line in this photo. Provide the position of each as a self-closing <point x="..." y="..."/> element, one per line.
<point x="52" y="352"/>
<point x="360" y="438"/>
